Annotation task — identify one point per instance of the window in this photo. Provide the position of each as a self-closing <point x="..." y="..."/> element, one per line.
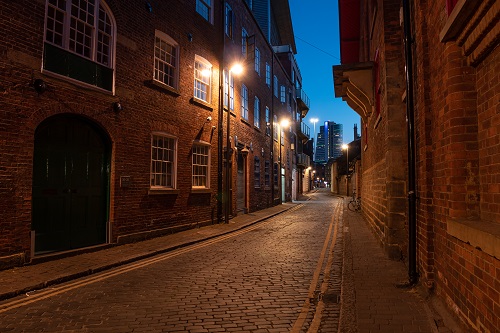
<point x="268" y="75"/>
<point x="163" y="161"/>
<point x="276" y="174"/>
<point x="228" y="90"/>
<point x="275" y="127"/>
<point x="244" y="102"/>
<point x="202" y="78"/>
<point x="257" y="61"/>
<point x="256" y="112"/>
<point x="229" y="21"/>
<point x="166" y="60"/>
<point x="256" y="171"/>
<point x="201" y="165"/>
<point x="244" y="42"/>
<point x="204" y="8"/>
<point x="268" y="121"/>
<point x="283" y="94"/>
<point x="267" y="176"/>
<point x="80" y="41"/>
<point x="276" y="86"/>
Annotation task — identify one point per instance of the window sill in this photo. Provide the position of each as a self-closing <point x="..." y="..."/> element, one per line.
<point x="162" y="87"/>
<point x="457" y="20"/>
<point x="483" y="235"/>
<point x="156" y="191"/>
<point x="201" y="103"/>
<point x="201" y="190"/>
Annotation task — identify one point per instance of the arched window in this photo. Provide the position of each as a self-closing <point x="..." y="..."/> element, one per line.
<point x="80" y="41"/>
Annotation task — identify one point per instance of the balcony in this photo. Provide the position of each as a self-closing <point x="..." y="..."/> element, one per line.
<point x="303" y="131"/>
<point x="303" y="160"/>
<point x="302" y="101"/>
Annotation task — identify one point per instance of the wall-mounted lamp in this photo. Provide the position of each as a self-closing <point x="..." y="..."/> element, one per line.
<point x="190" y="37"/>
<point x="117" y="107"/>
<point x="40" y="86"/>
<point x="262" y="152"/>
<point x="209" y="119"/>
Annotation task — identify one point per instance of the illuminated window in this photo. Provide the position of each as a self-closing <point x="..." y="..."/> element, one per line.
<point x="244" y="102"/>
<point x="202" y="79"/>
<point x="256" y="112"/>
<point x="201" y="165"/>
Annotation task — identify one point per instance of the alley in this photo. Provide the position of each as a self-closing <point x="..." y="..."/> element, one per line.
<point x="275" y="276"/>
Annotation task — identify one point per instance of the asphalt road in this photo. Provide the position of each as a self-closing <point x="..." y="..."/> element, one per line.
<point x="280" y="275"/>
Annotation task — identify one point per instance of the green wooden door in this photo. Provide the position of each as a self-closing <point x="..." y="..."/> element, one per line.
<point x="70" y="184"/>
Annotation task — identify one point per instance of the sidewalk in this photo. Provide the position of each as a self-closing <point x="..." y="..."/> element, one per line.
<point x="20" y="280"/>
<point x="371" y="300"/>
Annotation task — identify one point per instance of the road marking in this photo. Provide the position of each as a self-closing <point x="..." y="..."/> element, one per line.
<point x="316" y="322"/>
<point x="54" y="291"/>
<point x="297" y="327"/>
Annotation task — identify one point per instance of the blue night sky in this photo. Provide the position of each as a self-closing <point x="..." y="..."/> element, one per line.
<point x="316" y="29"/>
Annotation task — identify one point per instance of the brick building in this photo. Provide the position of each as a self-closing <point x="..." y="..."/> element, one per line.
<point x="430" y="184"/>
<point x="114" y="119"/>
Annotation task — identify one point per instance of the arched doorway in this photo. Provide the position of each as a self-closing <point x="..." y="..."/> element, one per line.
<point x="70" y="184"/>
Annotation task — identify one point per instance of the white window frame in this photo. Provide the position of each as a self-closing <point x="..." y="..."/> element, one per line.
<point x="268" y="121"/>
<point x="162" y="163"/>
<point x="200" y="165"/>
<point x="228" y="90"/>
<point x="244" y="102"/>
<point x="229" y="21"/>
<point x="283" y="94"/>
<point x="168" y="60"/>
<point x="268" y="74"/>
<point x="256" y="172"/>
<point x="244" y="42"/>
<point x="257" y="61"/>
<point x="96" y="36"/>
<point x="202" y="83"/>
<point x="256" y="112"/>
<point x="204" y="8"/>
<point x="276" y="86"/>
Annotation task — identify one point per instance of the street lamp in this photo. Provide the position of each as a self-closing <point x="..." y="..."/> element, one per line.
<point x="314" y="121"/>
<point x="236" y="69"/>
<point x="346" y="148"/>
<point x="284" y="123"/>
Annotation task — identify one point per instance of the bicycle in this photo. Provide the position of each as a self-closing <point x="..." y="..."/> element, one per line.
<point x="355" y="204"/>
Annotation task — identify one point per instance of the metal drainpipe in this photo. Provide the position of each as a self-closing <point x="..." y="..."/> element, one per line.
<point x="220" y="130"/>
<point x="410" y="122"/>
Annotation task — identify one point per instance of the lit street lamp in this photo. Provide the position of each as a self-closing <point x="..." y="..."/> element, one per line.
<point x="283" y="124"/>
<point x="236" y="69"/>
<point x="314" y="121"/>
<point x="346" y="148"/>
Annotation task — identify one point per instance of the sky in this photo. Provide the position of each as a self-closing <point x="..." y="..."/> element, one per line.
<point x="316" y="29"/>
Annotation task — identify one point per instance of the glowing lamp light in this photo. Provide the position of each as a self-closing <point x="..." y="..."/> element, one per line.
<point x="237" y="69"/>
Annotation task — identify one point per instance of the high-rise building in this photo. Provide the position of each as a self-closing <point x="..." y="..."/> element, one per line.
<point x="329" y="144"/>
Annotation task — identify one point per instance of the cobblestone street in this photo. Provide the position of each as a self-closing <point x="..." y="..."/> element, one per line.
<point x="270" y="277"/>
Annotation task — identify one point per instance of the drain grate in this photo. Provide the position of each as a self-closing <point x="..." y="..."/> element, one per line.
<point x="331" y="298"/>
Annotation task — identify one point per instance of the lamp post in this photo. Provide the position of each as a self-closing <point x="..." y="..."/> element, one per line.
<point x="314" y="121"/>
<point x="283" y="124"/>
<point x="346" y="148"/>
<point x="236" y="69"/>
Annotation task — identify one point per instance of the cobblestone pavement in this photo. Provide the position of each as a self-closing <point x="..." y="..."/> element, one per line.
<point x="280" y="275"/>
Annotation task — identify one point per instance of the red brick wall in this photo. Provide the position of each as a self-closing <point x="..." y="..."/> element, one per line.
<point x="457" y="142"/>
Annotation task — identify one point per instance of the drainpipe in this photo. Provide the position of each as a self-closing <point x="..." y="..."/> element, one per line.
<point x="220" y="116"/>
<point x="410" y="123"/>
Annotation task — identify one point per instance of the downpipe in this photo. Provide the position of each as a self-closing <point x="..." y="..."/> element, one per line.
<point x="410" y="123"/>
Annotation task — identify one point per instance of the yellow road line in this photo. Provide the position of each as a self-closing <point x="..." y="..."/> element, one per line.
<point x="47" y="293"/>
<point x="314" y="282"/>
